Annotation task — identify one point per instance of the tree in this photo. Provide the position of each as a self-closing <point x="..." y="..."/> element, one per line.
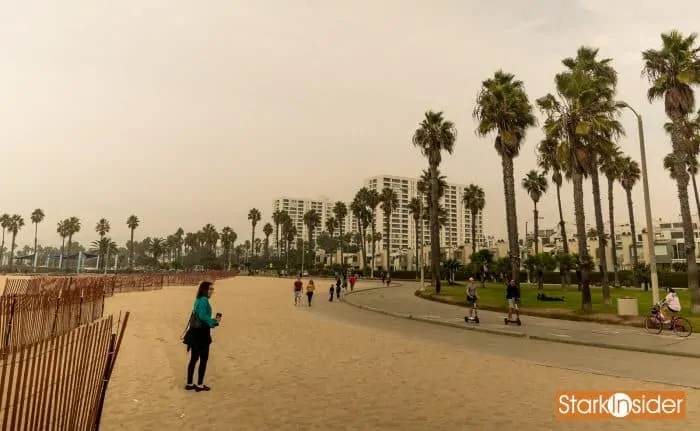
<point x="535" y="183"/>
<point x="254" y="217"/>
<point x="390" y="202"/>
<point x="226" y="245"/>
<point x="433" y="136"/>
<point x="157" y="248"/>
<point x="267" y="230"/>
<point x="179" y="242"/>
<point x="629" y="173"/>
<point x="37" y="217"/>
<point x="132" y="222"/>
<point x="72" y="227"/>
<point x="415" y="208"/>
<point x="331" y="225"/>
<point x="672" y="72"/>
<point x="373" y="200"/>
<point x="278" y="217"/>
<point x="103" y="247"/>
<point x="474" y="200"/>
<point x="289" y="232"/>
<point x="102" y="228"/>
<point x="610" y="167"/>
<point x="363" y="215"/>
<point x="312" y="220"/>
<point x="340" y="211"/>
<point x="16" y="224"/>
<point x="580" y="113"/>
<point x="210" y="237"/>
<point x="4" y="223"/>
<point x="502" y="106"/>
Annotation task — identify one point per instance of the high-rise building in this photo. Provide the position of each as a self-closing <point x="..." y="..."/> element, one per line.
<point x="296" y="208"/>
<point x="457" y="229"/>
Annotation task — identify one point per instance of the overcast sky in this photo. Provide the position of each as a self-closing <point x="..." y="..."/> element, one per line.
<point x="187" y="112"/>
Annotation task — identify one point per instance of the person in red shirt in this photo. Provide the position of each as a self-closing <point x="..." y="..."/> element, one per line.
<point x="298" y="287"/>
<point x="352" y="281"/>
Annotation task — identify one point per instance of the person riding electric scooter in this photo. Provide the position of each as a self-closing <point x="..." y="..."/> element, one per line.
<point x="513" y="298"/>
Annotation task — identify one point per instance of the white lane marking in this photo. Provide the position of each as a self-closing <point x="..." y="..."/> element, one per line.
<point x="560" y="335"/>
<point x="431" y="317"/>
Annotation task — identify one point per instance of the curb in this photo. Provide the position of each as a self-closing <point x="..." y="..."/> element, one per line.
<point x="515" y="334"/>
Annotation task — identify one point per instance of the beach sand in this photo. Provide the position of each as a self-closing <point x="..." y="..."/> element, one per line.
<point x="277" y="367"/>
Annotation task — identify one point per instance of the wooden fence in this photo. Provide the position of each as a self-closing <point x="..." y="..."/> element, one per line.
<point x="59" y="383"/>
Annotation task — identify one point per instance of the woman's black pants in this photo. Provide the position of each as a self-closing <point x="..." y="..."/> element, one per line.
<point x="201" y="354"/>
<point x="309" y="296"/>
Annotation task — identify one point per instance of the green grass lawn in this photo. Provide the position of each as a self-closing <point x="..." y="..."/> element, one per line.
<point x="492" y="297"/>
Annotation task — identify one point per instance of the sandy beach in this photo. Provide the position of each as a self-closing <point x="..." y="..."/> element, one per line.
<point x="274" y="366"/>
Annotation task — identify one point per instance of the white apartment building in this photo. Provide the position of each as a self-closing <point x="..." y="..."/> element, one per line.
<point x="456" y="232"/>
<point x="296" y="208"/>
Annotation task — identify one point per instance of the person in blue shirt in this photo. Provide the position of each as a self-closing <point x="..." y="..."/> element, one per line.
<point x="199" y="339"/>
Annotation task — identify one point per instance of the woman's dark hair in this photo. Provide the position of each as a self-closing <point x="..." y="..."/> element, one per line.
<point x="203" y="289"/>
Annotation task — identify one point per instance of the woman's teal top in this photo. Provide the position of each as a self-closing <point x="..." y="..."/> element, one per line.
<point x="202" y="309"/>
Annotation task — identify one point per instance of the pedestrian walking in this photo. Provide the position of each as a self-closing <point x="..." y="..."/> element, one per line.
<point x="310" y="288"/>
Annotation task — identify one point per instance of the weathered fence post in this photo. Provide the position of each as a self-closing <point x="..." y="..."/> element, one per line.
<point x="55" y="315"/>
<point x="80" y="309"/>
<point x="10" y="320"/>
<point x="105" y="381"/>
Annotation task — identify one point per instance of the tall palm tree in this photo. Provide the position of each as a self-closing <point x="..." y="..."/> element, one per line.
<point x="210" y="236"/>
<point x="535" y="184"/>
<point x="132" y="222"/>
<point x="267" y="230"/>
<point x="157" y="248"/>
<point x="102" y="228"/>
<point x="179" y="242"/>
<point x="226" y="243"/>
<point x="72" y="227"/>
<point x="415" y="207"/>
<point x="551" y="158"/>
<point x="363" y="215"/>
<point x="390" y="202"/>
<point x="373" y="200"/>
<point x="474" y="200"/>
<point x="610" y="167"/>
<point x="628" y="176"/>
<point x="424" y="188"/>
<point x="331" y="225"/>
<point x="4" y="223"/>
<point x="312" y="220"/>
<point x="502" y="106"/>
<point x="672" y="72"/>
<point x="61" y="229"/>
<point x="37" y="217"/>
<point x="254" y="216"/>
<point x="691" y="145"/>
<point x="340" y="211"/>
<point x="289" y="232"/>
<point x="581" y="114"/>
<point x="16" y="224"/>
<point x="433" y="136"/>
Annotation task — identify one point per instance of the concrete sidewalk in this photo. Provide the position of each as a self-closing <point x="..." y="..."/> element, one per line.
<point x="400" y="301"/>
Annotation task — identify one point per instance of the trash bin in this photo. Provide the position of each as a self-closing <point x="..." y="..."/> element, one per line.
<point x="627" y="307"/>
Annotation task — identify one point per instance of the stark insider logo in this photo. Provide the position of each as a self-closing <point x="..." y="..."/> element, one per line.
<point x="620" y="405"/>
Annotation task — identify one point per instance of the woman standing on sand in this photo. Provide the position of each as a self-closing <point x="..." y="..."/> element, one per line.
<point x="198" y="336"/>
<point x="310" y="288"/>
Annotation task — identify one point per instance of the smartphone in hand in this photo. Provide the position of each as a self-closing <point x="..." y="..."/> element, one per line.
<point x="218" y="317"/>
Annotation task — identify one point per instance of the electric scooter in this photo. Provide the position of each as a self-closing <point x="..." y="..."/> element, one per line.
<point x="517" y="316"/>
<point x="475" y="318"/>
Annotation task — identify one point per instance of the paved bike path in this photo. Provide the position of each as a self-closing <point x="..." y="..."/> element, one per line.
<point x="400" y="301"/>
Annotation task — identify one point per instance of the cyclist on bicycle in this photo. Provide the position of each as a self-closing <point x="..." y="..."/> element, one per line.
<point x="671" y="302"/>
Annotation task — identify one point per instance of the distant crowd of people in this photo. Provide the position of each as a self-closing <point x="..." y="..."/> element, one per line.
<point x="342" y="281"/>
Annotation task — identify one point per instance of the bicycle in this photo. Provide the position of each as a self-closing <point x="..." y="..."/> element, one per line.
<point x="679" y="325"/>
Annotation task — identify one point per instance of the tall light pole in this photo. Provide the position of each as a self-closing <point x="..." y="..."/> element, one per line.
<point x="647" y="206"/>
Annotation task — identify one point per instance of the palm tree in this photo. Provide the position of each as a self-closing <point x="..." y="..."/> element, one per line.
<point x="673" y="71"/>
<point x="210" y="237"/>
<point x="582" y="113"/>
<point x="474" y="200"/>
<point x="433" y="136"/>
<point x="4" y="223"/>
<point x="254" y="217"/>
<point x="331" y="224"/>
<point x="16" y="224"/>
<point x="267" y="230"/>
<point x="157" y="248"/>
<point x="103" y="246"/>
<point x="372" y="199"/>
<point x="278" y="217"/>
<point x="226" y="243"/>
<point x="535" y="184"/>
<point x="628" y="176"/>
<point x="37" y="217"/>
<point x="691" y="144"/>
<point x="415" y="207"/>
<point x="289" y="232"/>
<point x="72" y="227"/>
<point x="610" y="167"/>
<point x="390" y="202"/>
<point x="312" y="220"/>
<point x="102" y="228"/>
<point x="61" y="229"/>
<point x="132" y="223"/>
<point x="363" y="215"/>
<point x="179" y="242"/>
<point x="340" y="211"/>
<point x="551" y="158"/>
<point x="502" y="106"/>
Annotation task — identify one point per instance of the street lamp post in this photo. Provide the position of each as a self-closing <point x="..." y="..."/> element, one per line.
<point x="647" y="207"/>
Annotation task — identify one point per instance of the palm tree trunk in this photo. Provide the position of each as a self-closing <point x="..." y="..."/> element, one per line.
<point x="2" y="248"/>
<point x="363" y="247"/>
<point x="434" y="226"/>
<point x="340" y="241"/>
<point x="600" y="228"/>
<point x="579" y="210"/>
<point x="536" y="214"/>
<point x="511" y="217"/>
<point x="374" y="243"/>
<point x="564" y="239"/>
<point x="252" y="243"/>
<point x="416" y="221"/>
<point x="12" y="250"/>
<point x="388" y="245"/>
<point x="613" y="242"/>
<point x="131" y="252"/>
<point x="36" y="232"/>
<point x="697" y="197"/>
<point x="474" y="213"/>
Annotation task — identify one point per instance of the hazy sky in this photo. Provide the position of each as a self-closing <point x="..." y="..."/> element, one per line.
<point x="187" y="112"/>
